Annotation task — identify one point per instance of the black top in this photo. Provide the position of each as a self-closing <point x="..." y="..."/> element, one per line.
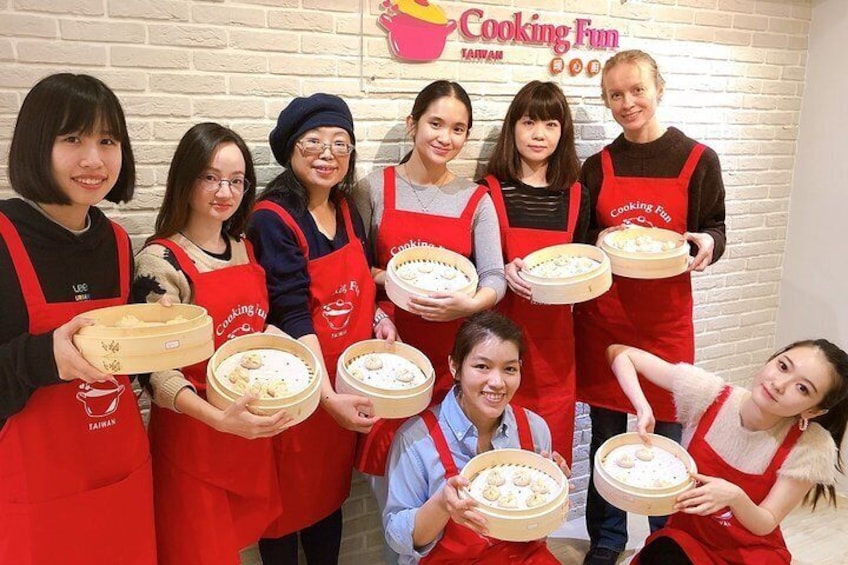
<point x="664" y="158"/>
<point x="544" y="209"/>
<point x="286" y="274"/>
<point x="69" y="267"/>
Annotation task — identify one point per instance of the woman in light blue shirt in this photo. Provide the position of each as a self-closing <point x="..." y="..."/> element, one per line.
<point x="425" y="521"/>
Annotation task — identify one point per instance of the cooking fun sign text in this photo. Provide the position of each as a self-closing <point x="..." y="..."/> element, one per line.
<point x="417" y="30"/>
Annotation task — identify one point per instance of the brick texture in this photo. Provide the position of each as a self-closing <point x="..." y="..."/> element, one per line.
<point x="734" y="72"/>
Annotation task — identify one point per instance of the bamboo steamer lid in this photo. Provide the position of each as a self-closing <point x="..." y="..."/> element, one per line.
<point x="386" y="402"/>
<point x="567" y="289"/>
<point x="646" y="265"/>
<point x="182" y="337"/>
<point x="520" y="524"/>
<point x="299" y="405"/>
<point x="647" y="501"/>
<point x="399" y="291"/>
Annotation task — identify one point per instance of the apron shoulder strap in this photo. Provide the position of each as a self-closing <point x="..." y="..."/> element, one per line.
<point x="784" y="449"/>
<point x="348" y="220"/>
<point x="691" y="163"/>
<point x="496" y="193"/>
<point x="183" y="260"/>
<point x="30" y="287"/>
<point x="574" y="198"/>
<point x="289" y="221"/>
<point x="122" y="242"/>
<point x="248" y="248"/>
<point x="712" y="411"/>
<point x="471" y="207"/>
<point x="441" y="443"/>
<point x="525" y="435"/>
<point x="389" y="190"/>
<point x="606" y="164"/>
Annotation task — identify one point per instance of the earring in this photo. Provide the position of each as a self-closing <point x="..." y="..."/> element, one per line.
<point x="803" y="423"/>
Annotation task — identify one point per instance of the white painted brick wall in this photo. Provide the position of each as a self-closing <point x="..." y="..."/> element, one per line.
<point x="734" y="71"/>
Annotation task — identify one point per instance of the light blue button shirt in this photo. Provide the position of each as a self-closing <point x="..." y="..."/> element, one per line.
<point x="416" y="473"/>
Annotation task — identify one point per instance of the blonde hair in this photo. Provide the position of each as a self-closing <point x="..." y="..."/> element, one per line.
<point x="633" y="56"/>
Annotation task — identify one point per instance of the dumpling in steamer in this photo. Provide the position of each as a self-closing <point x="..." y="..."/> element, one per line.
<point x="425" y="268"/>
<point x="251" y="360"/>
<point x="276" y="389"/>
<point x="404" y="375"/>
<point x="625" y="461"/>
<point x="521" y="478"/>
<point x="495" y="478"/>
<point x="540" y="486"/>
<point x="373" y="363"/>
<point x="535" y="499"/>
<point x="129" y="321"/>
<point x="239" y="374"/>
<point x="508" y="500"/>
<point x="645" y="454"/>
<point x="491" y="493"/>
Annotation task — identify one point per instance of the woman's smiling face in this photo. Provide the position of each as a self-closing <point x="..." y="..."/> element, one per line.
<point x="488" y="378"/>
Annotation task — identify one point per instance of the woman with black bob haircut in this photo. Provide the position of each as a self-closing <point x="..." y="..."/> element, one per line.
<point x="67" y="458"/>
<point x="204" y="457"/>
<point x="66" y="103"/>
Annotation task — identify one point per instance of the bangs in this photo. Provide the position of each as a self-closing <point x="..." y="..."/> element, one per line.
<point x="542" y="106"/>
<point x="92" y="111"/>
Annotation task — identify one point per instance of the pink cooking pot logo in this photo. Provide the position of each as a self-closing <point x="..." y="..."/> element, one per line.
<point x="337" y="314"/>
<point x="417" y="29"/>
<point x="100" y="402"/>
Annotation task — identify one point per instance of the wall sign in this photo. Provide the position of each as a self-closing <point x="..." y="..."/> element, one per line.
<point x="417" y="31"/>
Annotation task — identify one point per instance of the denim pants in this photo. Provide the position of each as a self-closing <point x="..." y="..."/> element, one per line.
<point x="606" y="524"/>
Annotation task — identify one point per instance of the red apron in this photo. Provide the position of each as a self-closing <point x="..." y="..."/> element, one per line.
<point x="460" y="545"/>
<point x="75" y="481"/>
<point x="655" y="315"/>
<point x="215" y="492"/>
<point x="315" y="458"/>
<point x="401" y="229"/>
<point x="547" y="367"/>
<point x="719" y="539"/>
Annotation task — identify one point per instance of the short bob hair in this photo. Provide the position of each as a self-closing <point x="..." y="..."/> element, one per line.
<point x="540" y="101"/>
<point x="193" y="155"/>
<point x="57" y="105"/>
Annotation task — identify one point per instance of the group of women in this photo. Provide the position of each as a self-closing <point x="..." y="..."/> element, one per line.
<point x="318" y="242"/>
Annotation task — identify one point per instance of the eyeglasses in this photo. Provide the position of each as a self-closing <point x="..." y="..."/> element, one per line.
<point x="316" y="147"/>
<point x="212" y="183"/>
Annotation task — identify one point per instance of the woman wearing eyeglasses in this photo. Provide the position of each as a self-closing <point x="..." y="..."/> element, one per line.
<point x="311" y="242"/>
<point x="215" y="482"/>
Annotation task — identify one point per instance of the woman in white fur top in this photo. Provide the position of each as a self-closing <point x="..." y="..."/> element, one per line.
<point x="759" y="451"/>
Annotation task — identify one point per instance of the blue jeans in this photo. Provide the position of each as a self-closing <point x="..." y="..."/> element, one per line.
<point x="607" y="525"/>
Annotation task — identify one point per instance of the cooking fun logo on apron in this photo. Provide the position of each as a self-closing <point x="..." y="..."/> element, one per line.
<point x="235" y="323"/>
<point x="410" y="244"/>
<point x="724" y="518"/>
<point x="338" y="312"/>
<point x="100" y="401"/>
<point x="640" y="213"/>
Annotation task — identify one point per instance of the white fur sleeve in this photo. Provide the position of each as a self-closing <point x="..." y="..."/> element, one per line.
<point x="694" y="390"/>
<point x="813" y="458"/>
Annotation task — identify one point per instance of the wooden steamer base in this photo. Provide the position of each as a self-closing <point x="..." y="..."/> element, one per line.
<point x="567" y="290"/>
<point x="645" y="501"/>
<point x="387" y="403"/>
<point x="520" y="524"/>
<point x="643" y="265"/>
<point x="299" y="406"/>
<point x="145" y="349"/>
<point x="399" y="291"/>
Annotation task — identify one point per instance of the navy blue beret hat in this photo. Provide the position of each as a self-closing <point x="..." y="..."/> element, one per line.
<point x="304" y="114"/>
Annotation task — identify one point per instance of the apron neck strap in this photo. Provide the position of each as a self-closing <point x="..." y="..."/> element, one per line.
<point x="183" y="260"/>
<point x="574" y="197"/>
<point x="441" y="443"/>
<point x="525" y="436"/>
<point x="288" y="220"/>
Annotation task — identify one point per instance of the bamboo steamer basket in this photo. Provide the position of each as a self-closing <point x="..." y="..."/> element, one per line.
<point x="299" y="406"/>
<point x="644" y="265"/>
<point x="387" y="403"/>
<point x="567" y="290"/>
<point x="519" y="524"/>
<point x="399" y="290"/>
<point x="641" y="500"/>
<point x="145" y="349"/>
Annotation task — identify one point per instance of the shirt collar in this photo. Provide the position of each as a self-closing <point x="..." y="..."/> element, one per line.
<point x="462" y="427"/>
